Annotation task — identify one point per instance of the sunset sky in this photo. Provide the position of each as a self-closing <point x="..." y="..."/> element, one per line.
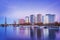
<point x="13" y="9"/>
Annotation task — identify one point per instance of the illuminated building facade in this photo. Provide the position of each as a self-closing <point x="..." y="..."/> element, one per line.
<point x="21" y="21"/>
<point x="32" y="19"/>
<point x="38" y="18"/>
<point x="26" y="19"/>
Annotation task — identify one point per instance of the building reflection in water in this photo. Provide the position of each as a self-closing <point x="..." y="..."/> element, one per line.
<point x="33" y="32"/>
<point x="45" y="33"/>
<point x="52" y="32"/>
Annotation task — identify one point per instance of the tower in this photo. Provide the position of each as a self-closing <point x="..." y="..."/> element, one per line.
<point x="5" y="20"/>
<point x="26" y="19"/>
<point x="49" y="18"/>
<point x="38" y="18"/>
<point x="32" y="19"/>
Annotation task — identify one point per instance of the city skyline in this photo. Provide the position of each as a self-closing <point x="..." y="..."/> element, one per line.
<point x="48" y="18"/>
<point x="29" y="19"/>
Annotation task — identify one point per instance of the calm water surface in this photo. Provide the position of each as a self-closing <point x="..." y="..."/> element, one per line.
<point x="29" y="33"/>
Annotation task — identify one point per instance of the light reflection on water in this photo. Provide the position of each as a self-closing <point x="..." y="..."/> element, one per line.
<point x="25" y="32"/>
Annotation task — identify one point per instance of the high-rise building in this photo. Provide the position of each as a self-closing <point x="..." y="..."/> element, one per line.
<point x="35" y="19"/>
<point x="38" y="18"/>
<point x="42" y="19"/>
<point x="21" y="21"/>
<point x="26" y="19"/>
<point x="32" y="19"/>
<point x="49" y="18"/>
<point x="46" y="20"/>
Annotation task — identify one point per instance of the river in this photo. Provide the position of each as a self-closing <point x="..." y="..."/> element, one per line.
<point x="29" y="33"/>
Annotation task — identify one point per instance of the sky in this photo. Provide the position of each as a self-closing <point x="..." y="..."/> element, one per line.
<point x="16" y="9"/>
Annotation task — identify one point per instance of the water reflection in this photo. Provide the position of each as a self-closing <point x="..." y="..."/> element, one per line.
<point x="30" y="33"/>
<point x="52" y="33"/>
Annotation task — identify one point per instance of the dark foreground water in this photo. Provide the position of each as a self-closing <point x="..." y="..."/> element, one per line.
<point x="30" y="33"/>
